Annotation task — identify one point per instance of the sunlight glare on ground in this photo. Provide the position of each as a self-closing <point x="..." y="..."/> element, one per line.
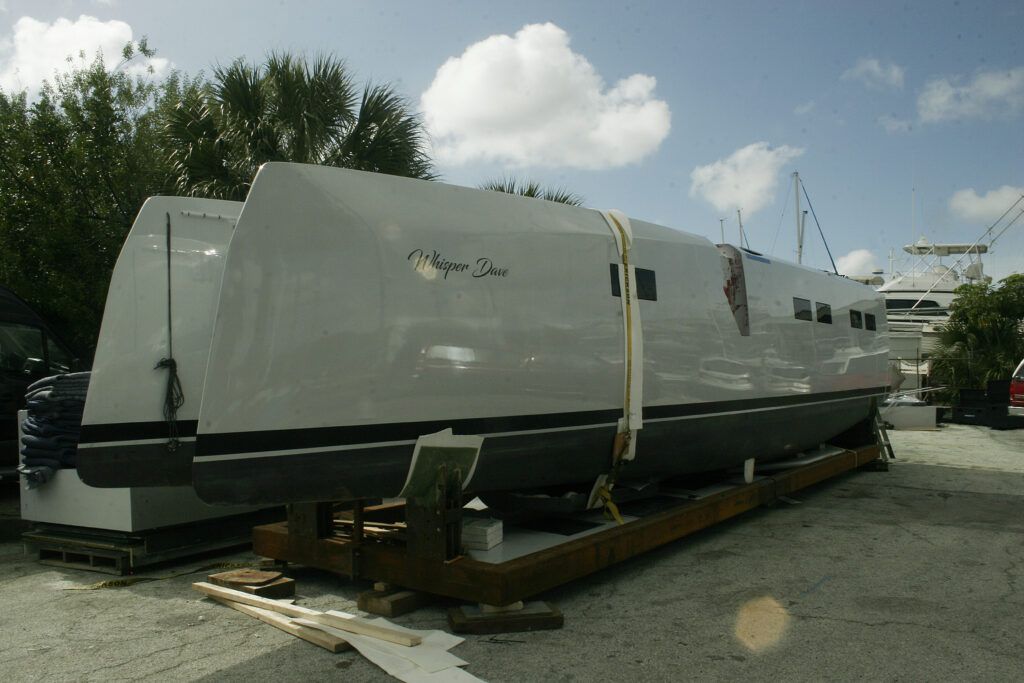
<point x="761" y="623"/>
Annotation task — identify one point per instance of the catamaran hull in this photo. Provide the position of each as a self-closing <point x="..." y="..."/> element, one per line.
<point x="356" y="313"/>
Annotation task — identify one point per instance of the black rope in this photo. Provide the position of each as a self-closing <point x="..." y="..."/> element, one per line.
<point x="823" y="241"/>
<point x="174" y="397"/>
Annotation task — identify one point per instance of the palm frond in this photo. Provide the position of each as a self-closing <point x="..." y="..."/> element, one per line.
<point x="531" y="188"/>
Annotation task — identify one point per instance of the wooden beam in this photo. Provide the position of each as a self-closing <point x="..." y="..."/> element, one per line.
<point x="329" y="642"/>
<point x="339" y="620"/>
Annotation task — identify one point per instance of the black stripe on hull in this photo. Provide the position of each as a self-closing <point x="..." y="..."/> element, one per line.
<point x="134" y="431"/>
<point x="524" y="461"/>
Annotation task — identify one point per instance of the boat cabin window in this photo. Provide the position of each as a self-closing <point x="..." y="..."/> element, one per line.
<point x="646" y="285"/>
<point x="824" y="313"/>
<point x="897" y="304"/>
<point x="856" y="319"/>
<point x="802" y="309"/>
<point x="869" y="321"/>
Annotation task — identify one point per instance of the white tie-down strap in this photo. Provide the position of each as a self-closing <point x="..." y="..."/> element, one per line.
<point x="632" y="419"/>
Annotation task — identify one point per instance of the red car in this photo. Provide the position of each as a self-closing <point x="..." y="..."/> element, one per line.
<point x="1017" y="389"/>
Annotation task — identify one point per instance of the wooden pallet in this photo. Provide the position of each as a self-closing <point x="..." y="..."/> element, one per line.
<point x="312" y="540"/>
<point x="120" y="553"/>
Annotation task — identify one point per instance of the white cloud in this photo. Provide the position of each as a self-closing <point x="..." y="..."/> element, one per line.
<point x="745" y="180"/>
<point x="857" y="262"/>
<point x="874" y="74"/>
<point x="39" y="50"/>
<point x="989" y="94"/>
<point x="805" y="108"/>
<point x="894" y="125"/>
<point x="972" y="208"/>
<point x="529" y="100"/>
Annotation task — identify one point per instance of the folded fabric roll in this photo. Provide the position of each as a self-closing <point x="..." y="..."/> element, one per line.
<point x="51" y="430"/>
<point x="49" y="442"/>
<point x="65" y="426"/>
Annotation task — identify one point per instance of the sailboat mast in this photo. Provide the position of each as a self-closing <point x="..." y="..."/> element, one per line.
<point x="799" y="222"/>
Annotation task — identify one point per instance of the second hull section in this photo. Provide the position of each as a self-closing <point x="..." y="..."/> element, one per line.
<point x="710" y="439"/>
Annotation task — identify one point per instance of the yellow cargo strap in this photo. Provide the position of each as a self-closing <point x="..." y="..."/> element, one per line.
<point x="624" y="446"/>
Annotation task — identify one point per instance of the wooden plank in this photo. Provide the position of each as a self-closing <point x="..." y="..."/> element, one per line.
<point x="328" y="641"/>
<point x="353" y="624"/>
<point x="262" y="583"/>
<point x="282" y="588"/>
<point x="535" y="616"/>
<point x="391" y="602"/>
<point x="243" y="577"/>
<point x="340" y="620"/>
<point x="253" y="600"/>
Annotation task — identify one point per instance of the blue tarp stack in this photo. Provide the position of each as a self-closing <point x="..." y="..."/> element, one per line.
<point x="52" y="427"/>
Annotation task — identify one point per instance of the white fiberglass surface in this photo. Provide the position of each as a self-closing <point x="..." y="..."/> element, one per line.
<point x="125" y="386"/>
<point x="353" y="298"/>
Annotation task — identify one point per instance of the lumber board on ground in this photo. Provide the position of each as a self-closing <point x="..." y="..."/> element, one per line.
<point x="534" y="616"/>
<point x="392" y="602"/>
<point x="244" y="577"/>
<point x="263" y="583"/>
<point x="328" y="641"/>
<point x="340" y="620"/>
<point x="282" y="588"/>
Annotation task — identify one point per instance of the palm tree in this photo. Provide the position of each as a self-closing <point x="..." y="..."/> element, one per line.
<point x="529" y="188"/>
<point x="288" y="110"/>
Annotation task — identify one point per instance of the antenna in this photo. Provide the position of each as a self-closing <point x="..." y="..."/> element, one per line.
<point x="721" y="226"/>
<point x="913" y="207"/>
<point x="739" y="218"/>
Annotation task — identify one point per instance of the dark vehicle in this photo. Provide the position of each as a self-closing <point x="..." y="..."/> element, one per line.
<point x="29" y="350"/>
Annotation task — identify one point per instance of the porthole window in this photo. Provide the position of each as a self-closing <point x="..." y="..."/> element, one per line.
<point x="824" y="313"/>
<point x="856" y="320"/>
<point x="869" y="321"/>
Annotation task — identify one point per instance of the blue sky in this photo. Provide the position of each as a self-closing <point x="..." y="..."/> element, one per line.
<point x="675" y="112"/>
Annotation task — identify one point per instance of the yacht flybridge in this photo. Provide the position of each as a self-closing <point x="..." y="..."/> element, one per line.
<point x="324" y="327"/>
<point x="917" y="302"/>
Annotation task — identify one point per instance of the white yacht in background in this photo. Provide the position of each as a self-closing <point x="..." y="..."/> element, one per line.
<point x="917" y="302"/>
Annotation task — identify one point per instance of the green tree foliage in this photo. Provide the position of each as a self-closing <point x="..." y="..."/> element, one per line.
<point x="984" y="338"/>
<point x="75" y="166"/>
<point x="288" y="109"/>
<point x="529" y="188"/>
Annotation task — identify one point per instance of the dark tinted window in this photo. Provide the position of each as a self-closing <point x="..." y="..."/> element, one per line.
<point x="21" y="348"/>
<point x="856" y="320"/>
<point x="824" y="313"/>
<point x="869" y="321"/>
<point x="802" y="309"/>
<point x="646" y="285"/>
<point x="908" y="303"/>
